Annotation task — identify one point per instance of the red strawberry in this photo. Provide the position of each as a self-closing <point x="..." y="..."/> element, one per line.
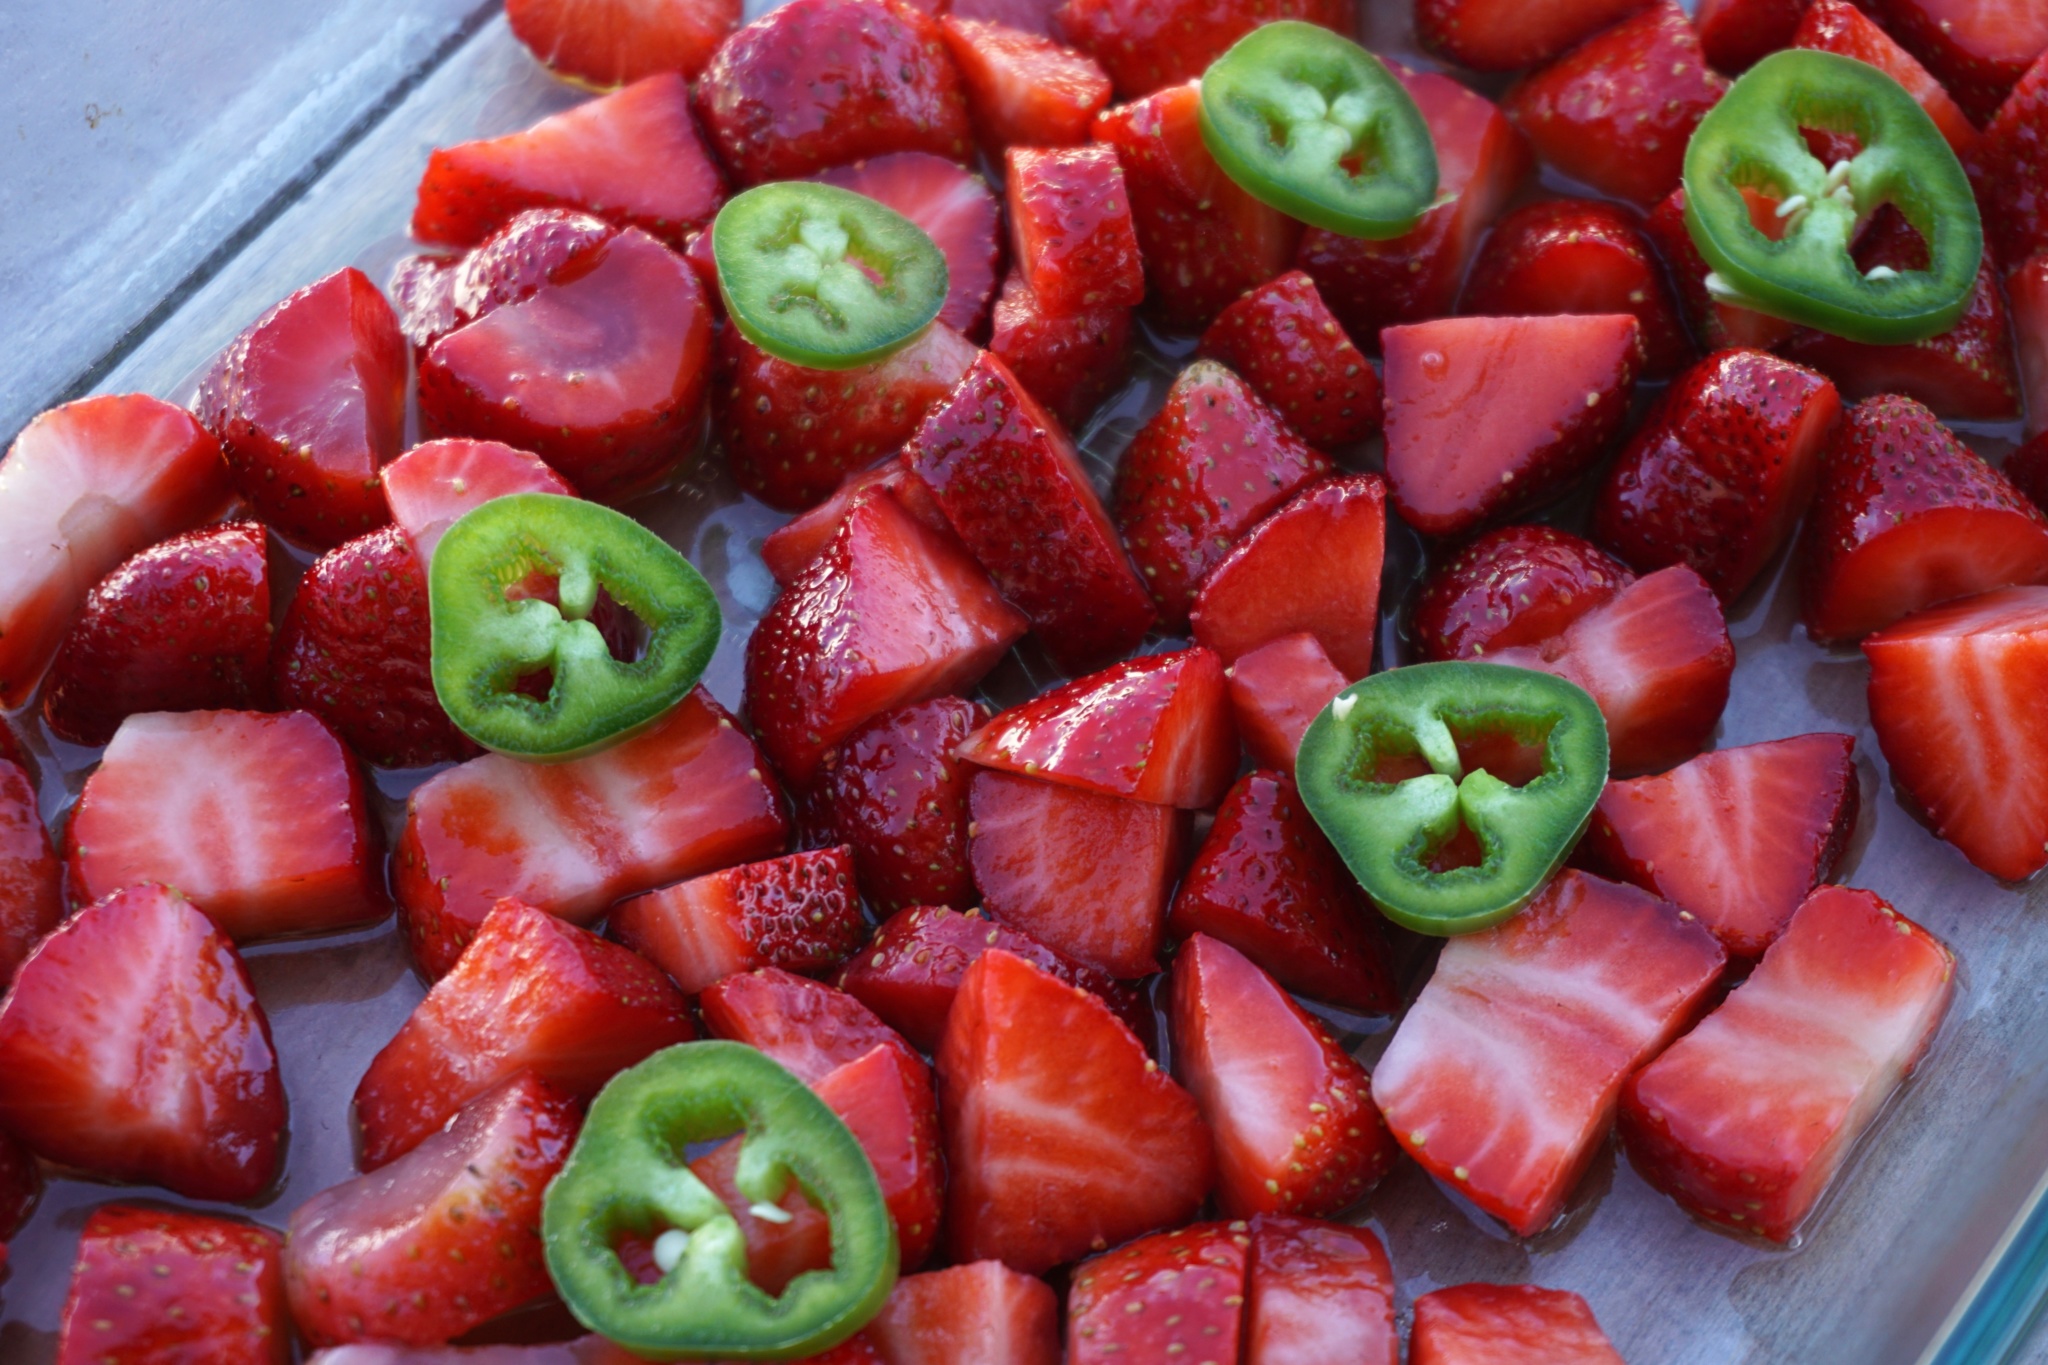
<point x="1615" y="112"/>
<point x="1953" y="700"/>
<point x="817" y="83"/>
<point x="1977" y="48"/>
<point x="1513" y="586"/>
<point x="1838" y="26"/>
<point x="422" y="290"/>
<point x="1908" y="516"/>
<point x="1504" y="1324"/>
<point x="261" y="819"/>
<point x="21" y="1183"/>
<point x="1069" y="362"/>
<point x="1283" y="340"/>
<point x="1207" y="467"/>
<point x="1070" y="228"/>
<point x="2008" y="166"/>
<point x="681" y="798"/>
<point x="1290" y="1109"/>
<point x="520" y="257"/>
<point x="1062" y="1136"/>
<point x="1716" y="324"/>
<point x="612" y="42"/>
<point x="801" y="539"/>
<point x="31" y="894"/>
<point x="1023" y="89"/>
<point x="1146" y="45"/>
<point x="892" y="793"/>
<point x="1010" y="483"/>
<point x="984" y="1313"/>
<point x="1160" y="1296"/>
<point x="2027" y="467"/>
<point x="1657" y="658"/>
<point x="135" y="1049"/>
<point x="443" y="1239"/>
<point x="634" y="158"/>
<point x="1737" y="837"/>
<point x="1275" y="691"/>
<point x="807" y="1026"/>
<point x="1581" y="988"/>
<point x="1580" y="256"/>
<point x="433" y="484"/>
<point x="1737" y="34"/>
<point x="181" y="626"/>
<point x="530" y="994"/>
<point x="153" y="1285"/>
<point x="2026" y="285"/>
<point x="585" y="1350"/>
<point x="1318" y="1294"/>
<point x="1267" y="884"/>
<point x="801" y="912"/>
<point x="1204" y="240"/>
<point x="1747" y="1118"/>
<point x="1026" y="16"/>
<point x="1721" y="470"/>
<point x="954" y="206"/>
<point x="1489" y="36"/>
<point x="1487" y="417"/>
<point x="308" y="404"/>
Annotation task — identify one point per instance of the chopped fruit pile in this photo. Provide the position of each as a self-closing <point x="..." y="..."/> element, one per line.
<point x="1106" y="762"/>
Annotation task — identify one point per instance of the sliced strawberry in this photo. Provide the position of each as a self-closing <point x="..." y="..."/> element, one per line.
<point x="1580" y="989"/>
<point x="957" y="210"/>
<point x="135" y="1050"/>
<point x="1489" y="36"/>
<point x="1721" y="470"/>
<point x="1319" y="1294"/>
<point x="157" y="1285"/>
<point x="1657" y="658"/>
<point x="807" y="1026"/>
<point x="892" y="793"/>
<point x="181" y="626"/>
<point x="1737" y="837"/>
<point x="800" y="912"/>
<point x="587" y="1350"/>
<point x="532" y="993"/>
<point x="1746" y="1119"/>
<point x="612" y="42"/>
<point x="817" y="83"/>
<point x="1023" y="89"/>
<point x="1146" y="45"/>
<point x="1171" y="1296"/>
<point x="681" y="798"/>
<point x="1838" y="26"/>
<point x="801" y="539"/>
<point x="2008" y="166"/>
<point x="1070" y="227"/>
<point x="1062" y="1136"/>
<point x="31" y="894"/>
<point x="2027" y="467"/>
<point x="1513" y="586"/>
<point x="1977" y="48"/>
<point x="262" y="819"/>
<point x="520" y="258"/>
<point x="1505" y="1324"/>
<point x="1737" y="34"/>
<point x="2026" y="285"/>
<point x="434" y="483"/>
<point x="1275" y="691"/>
<point x="443" y="1239"/>
<point x="422" y="290"/>
<point x="984" y="1313"/>
<point x="21" y="1183"/>
<point x="1070" y="362"/>
<point x="1717" y="325"/>
<point x="1026" y="16"/>
<point x="1908" y="516"/>
<point x="1282" y="338"/>
<point x="1487" y="417"/>
<point x="1616" y="111"/>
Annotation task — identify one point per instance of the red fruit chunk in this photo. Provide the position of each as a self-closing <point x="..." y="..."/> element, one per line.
<point x="443" y="1239"/>
<point x="795" y="543"/>
<point x="1656" y="657"/>
<point x="1146" y="45"/>
<point x="1023" y="89"/>
<point x="1615" y="112"/>
<point x="1513" y="586"/>
<point x="1580" y="256"/>
<point x="1581" y="988"/>
<point x="1026" y="16"/>
<point x="1062" y="1136"/>
<point x="21" y="1183"/>
<point x="1487" y="417"/>
<point x="957" y="210"/>
<point x="892" y="793"/>
<point x="422" y="290"/>
<point x="801" y="912"/>
<point x="433" y="484"/>
<point x="1275" y="691"/>
<point x="135" y="1050"/>
<point x="1721" y="470"/>
<point x="1977" y="48"/>
<point x="521" y="257"/>
<point x="634" y="158"/>
<point x="1070" y="227"/>
<point x="1747" y="1118"/>
<point x="1171" y="1296"/>
<point x="1954" y="698"/>
<point x="1838" y="26"/>
<point x="1283" y="340"/>
<point x="1319" y="1294"/>
<point x="983" y="1313"/>
<point x="1505" y="1324"/>
<point x="1717" y="325"/>
<point x="611" y="42"/>
<point x="531" y="994"/>
<point x="1908" y="516"/>
<point x="588" y="1350"/>
<point x="806" y="1025"/>
<point x="308" y="404"/>
<point x="2027" y="287"/>
<point x="1737" y="34"/>
<point x="261" y="819"/>
<point x="31" y="895"/>
<point x="182" y="626"/>
<point x="152" y="1285"/>
<point x="2008" y="168"/>
<point x="816" y="83"/>
<point x="1487" y="35"/>
<point x="1069" y="362"/>
<point x="2027" y="467"/>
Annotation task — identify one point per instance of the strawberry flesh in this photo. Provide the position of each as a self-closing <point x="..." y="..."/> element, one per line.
<point x="1737" y="34"/>
<point x="1716" y="325"/>
<point x="2026" y="285"/>
<point x="2008" y="168"/>
<point x="1318" y="1294"/>
<point x="1171" y="1296"/>
<point x="31" y="893"/>
<point x="612" y="42"/>
<point x="982" y="1312"/>
<point x="1070" y="227"/>
<point x="1146" y="45"/>
<point x="1488" y="35"/>
<point x="1069" y="362"/>
<point x="1838" y="26"/>
<point x="807" y="1026"/>
<point x="801" y="539"/>
<point x="21" y="1184"/>
<point x="957" y="210"/>
<point x="1504" y="1324"/>
<point x="1023" y="89"/>
<point x="800" y="912"/>
<point x="158" y="1285"/>
<point x="892" y="793"/>
<point x="433" y="484"/>
<point x="1276" y="690"/>
<point x="1978" y="50"/>
<point x="1513" y="586"/>
<point x="1288" y="346"/>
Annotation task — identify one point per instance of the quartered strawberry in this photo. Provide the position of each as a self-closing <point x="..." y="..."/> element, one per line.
<point x="1069" y="362"/>
<point x="983" y="1312"/>
<point x="1838" y="26"/>
<point x="1489" y="36"/>
<point x="1146" y="45"/>
<point x="683" y="797"/>
<point x="807" y="1026"/>
<point x="1171" y="1296"/>
<point x="1737" y="34"/>
<point x="1657" y="658"/>
<point x="156" y="1285"/>
<point x="1290" y="1109"/>
<point x="1487" y="417"/>
<point x="2026" y="285"/>
<point x="957" y="210"/>
<point x="135" y="1050"/>
<point x="1062" y="1136"/>
<point x="1977" y="48"/>
<point x="1736" y="837"/>
<point x="1580" y="256"/>
<point x="1011" y="485"/>
<point x="181" y="626"/>
<point x="519" y="259"/>
<point x="1085" y="874"/>
<point x="801" y="539"/>
<point x="1318" y="1294"/>
<point x="800" y="912"/>
<point x="1283" y="339"/>
<point x="1908" y="516"/>
<point x="1506" y="1324"/>
<point x="31" y="892"/>
<point x="893" y="794"/>
<point x="21" y="1183"/>
<point x="1204" y="240"/>
<point x="1070" y="227"/>
<point x="1583" y="986"/>
<point x="612" y="42"/>
<point x="817" y="83"/>
<point x="1207" y="467"/>
<point x="532" y="993"/>
<point x="262" y="820"/>
<point x="1615" y="112"/>
<point x="443" y="1239"/>
<point x="1023" y="89"/>
<point x="633" y="158"/>
<point x="1513" y="586"/>
<point x="433" y="484"/>
<point x="2007" y="168"/>
<point x="1275" y="691"/>
<point x="1721" y="470"/>
<point x="1715" y="324"/>
<point x="308" y="404"/>
<point x="422" y="290"/>
<point x="1746" y="1119"/>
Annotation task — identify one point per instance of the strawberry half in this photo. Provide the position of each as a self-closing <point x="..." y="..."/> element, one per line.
<point x="1583" y="986"/>
<point x="1283" y="339"/>
<point x="1737" y="34"/>
<point x="2027" y="467"/>
<point x="1026" y="16"/>
<point x="1146" y="45"/>
<point x="1746" y="1119"/>
<point x="135" y="1050"/>
<point x="1171" y="1296"/>
<point x="957" y="210"/>
<point x="800" y="912"/>
<point x="21" y="1184"/>
<point x="1717" y="325"/>
<point x="801" y="539"/>
<point x="983" y="1312"/>
<point x="1318" y="1294"/>
<point x="2026" y="285"/>
<point x="612" y="42"/>
<point x="2007" y="169"/>
<point x="158" y="1285"/>
<point x="1513" y="586"/>
<point x="1502" y="1324"/>
<point x="1069" y="362"/>
<point x="1275" y="691"/>
<point x="1838" y="26"/>
<point x="807" y="1026"/>
<point x="1978" y="50"/>
<point x="31" y="892"/>
<point x="1023" y="89"/>
<point x="892" y="793"/>
<point x="433" y="484"/>
<point x="1487" y="35"/>
<point x="1070" y="227"/>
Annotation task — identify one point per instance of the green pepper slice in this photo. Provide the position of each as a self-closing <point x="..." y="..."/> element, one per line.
<point x="627" y="1176"/>
<point x="1752" y="140"/>
<point x="1388" y="831"/>
<point x="489" y="633"/>
<point x="1314" y="125"/>
<point x="823" y="277"/>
